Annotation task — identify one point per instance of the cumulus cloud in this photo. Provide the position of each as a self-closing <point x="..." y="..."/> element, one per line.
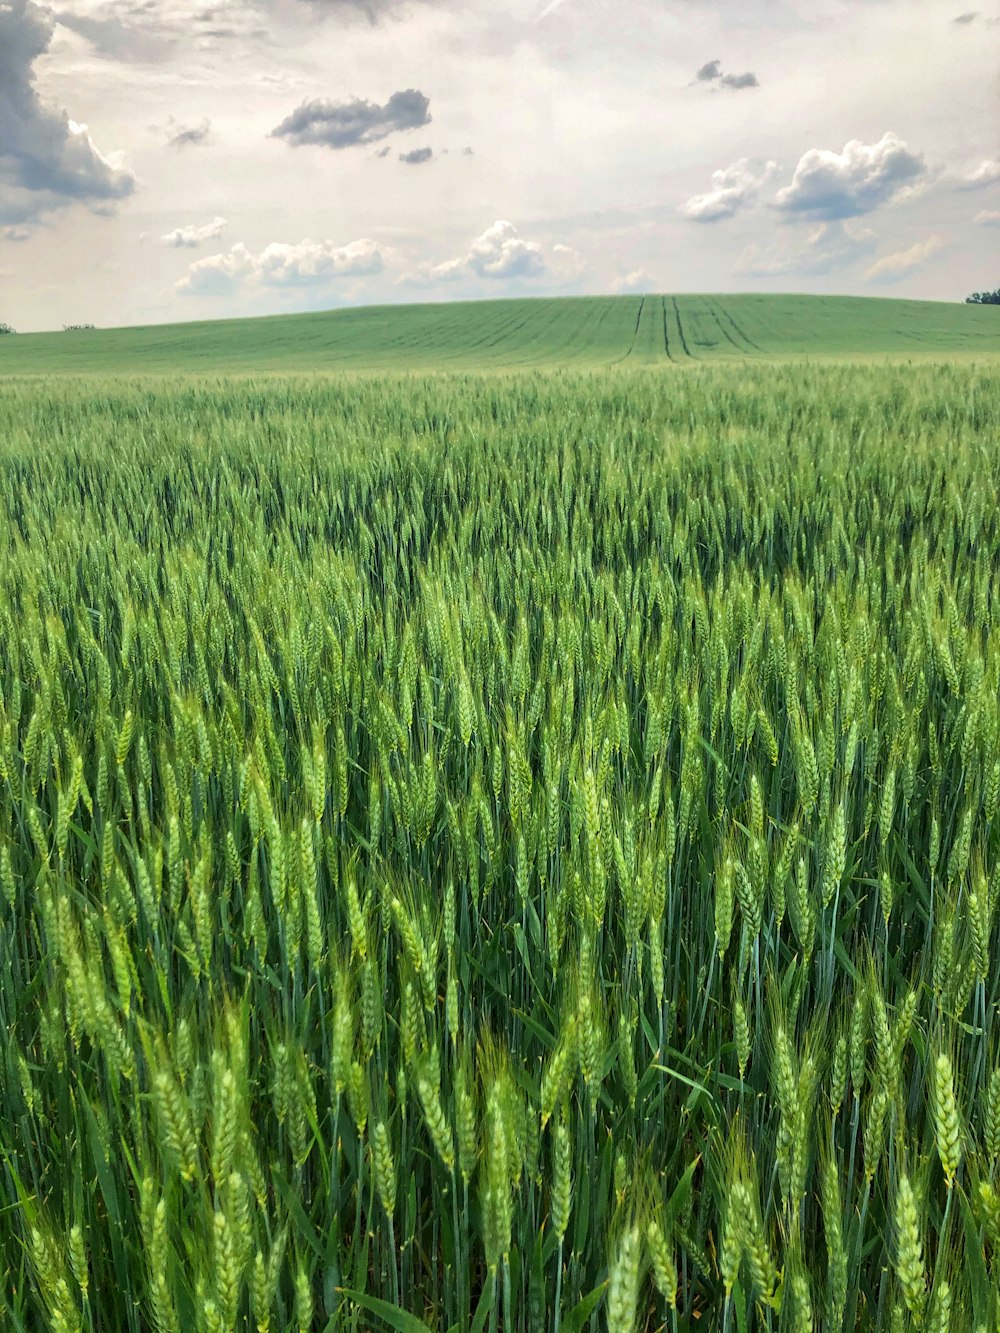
<point x="890" y="268"/>
<point x="416" y="157"/>
<point x="737" y="81"/>
<point x="189" y="136"/>
<point x="47" y="160"/>
<point x="345" y="124"/>
<point x="829" y="186"/>
<point x="189" y="238"/>
<point x="826" y="247"/>
<point x="987" y="173"/>
<point x="988" y="217"/>
<point x="501" y="252"/>
<point x="310" y="263"/>
<point x="712" y="69"/>
<point x="732" y="188"/>
<point x="969" y="17"/>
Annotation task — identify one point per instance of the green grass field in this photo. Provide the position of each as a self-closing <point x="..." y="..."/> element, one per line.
<point x="583" y="332"/>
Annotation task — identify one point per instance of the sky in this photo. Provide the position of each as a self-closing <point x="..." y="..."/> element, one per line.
<point x="166" y="160"/>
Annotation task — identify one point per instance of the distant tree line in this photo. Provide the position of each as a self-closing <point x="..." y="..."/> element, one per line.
<point x="984" y="298"/>
<point x="7" y="328"/>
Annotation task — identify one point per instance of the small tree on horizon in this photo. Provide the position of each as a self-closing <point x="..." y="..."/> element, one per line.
<point x="984" y="298"/>
<point x="7" y="328"/>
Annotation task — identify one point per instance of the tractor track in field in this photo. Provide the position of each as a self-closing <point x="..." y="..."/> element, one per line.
<point x="680" y="329"/>
<point x="635" y="334"/>
<point x="723" y="330"/>
<point x="666" y="336"/>
<point x="739" y="332"/>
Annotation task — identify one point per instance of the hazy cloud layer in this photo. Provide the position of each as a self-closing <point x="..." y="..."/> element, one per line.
<point x="890" y="268"/>
<point x="154" y="31"/>
<point x="346" y="124"/>
<point x="829" y="185"/>
<point x="824" y="249"/>
<point x="190" y="237"/>
<point x="372" y="10"/>
<point x="310" y="263"/>
<point x="190" y="136"/>
<point x="47" y="161"/>
<point x="567" y="107"/>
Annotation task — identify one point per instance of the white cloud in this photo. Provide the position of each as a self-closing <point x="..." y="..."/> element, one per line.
<point x="636" y="281"/>
<point x="565" y="262"/>
<point x="988" y="217"/>
<point x="831" y="186"/>
<point x="279" y="265"/>
<point x="987" y="173"/>
<point x="190" y="237"/>
<point x="890" y="268"/>
<point x="501" y="252"/>
<point x="732" y="188"/>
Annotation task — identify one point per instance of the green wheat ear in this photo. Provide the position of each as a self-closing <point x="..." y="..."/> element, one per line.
<point x="947" y="1125"/>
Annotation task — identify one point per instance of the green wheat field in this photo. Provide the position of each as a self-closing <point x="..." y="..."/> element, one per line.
<point x="512" y="851"/>
<point x="582" y="332"/>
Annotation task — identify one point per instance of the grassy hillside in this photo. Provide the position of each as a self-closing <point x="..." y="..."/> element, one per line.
<point x="482" y="335"/>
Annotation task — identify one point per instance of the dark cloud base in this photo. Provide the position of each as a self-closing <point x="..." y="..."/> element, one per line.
<point x="347" y="124"/>
<point x="711" y="72"/>
<point x="45" y="163"/>
<point x="191" y="136"/>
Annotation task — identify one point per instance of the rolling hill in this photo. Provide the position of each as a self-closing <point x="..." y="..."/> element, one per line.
<point x="519" y="334"/>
